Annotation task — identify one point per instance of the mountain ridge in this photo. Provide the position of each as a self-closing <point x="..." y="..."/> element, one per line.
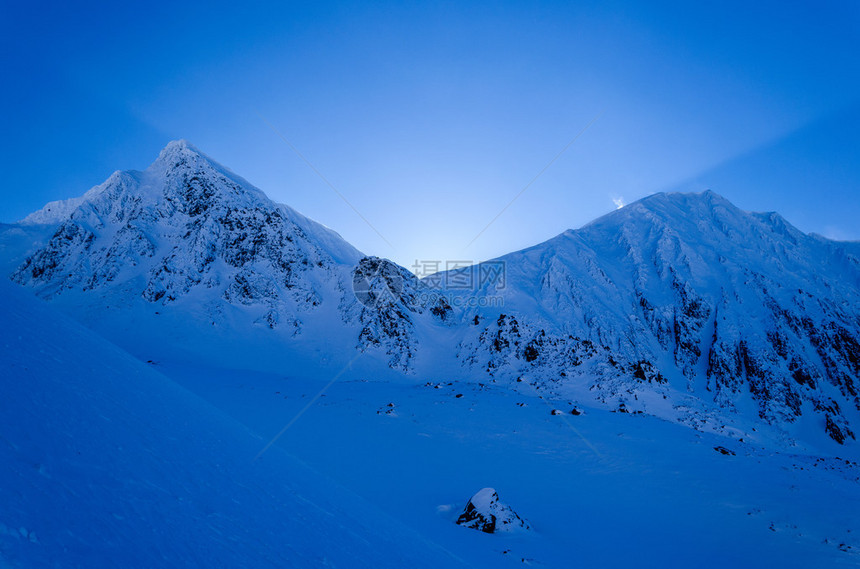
<point x="673" y="302"/>
<point x="671" y="284"/>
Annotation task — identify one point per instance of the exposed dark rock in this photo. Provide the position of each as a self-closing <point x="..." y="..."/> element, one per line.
<point x="486" y="513"/>
<point x="837" y="433"/>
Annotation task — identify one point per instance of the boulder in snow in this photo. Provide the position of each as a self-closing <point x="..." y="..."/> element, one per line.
<point x="486" y="513"/>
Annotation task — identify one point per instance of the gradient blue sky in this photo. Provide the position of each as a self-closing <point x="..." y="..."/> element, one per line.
<point x="431" y="117"/>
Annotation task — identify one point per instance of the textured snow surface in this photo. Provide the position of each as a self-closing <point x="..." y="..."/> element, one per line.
<point x="107" y="463"/>
<point x="597" y="489"/>
<point x="676" y="383"/>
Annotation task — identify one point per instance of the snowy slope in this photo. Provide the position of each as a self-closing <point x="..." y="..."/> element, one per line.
<point x="552" y="388"/>
<point x="598" y="489"/>
<point x="679" y="305"/>
<point x="682" y="295"/>
<point x="108" y="463"/>
<point x="182" y="224"/>
<point x="186" y="246"/>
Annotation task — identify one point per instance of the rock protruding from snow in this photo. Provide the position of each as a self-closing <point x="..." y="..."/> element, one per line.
<point x="486" y="513"/>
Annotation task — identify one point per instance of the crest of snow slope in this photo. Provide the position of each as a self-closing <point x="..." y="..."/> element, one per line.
<point x="108" y="463"/>
<point x="682" y="298"/>
<point x="191" y="241"/>
<point x="55" y="212"/>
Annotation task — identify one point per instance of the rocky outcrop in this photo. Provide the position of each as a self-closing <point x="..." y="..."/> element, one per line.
<point x="486" y="513"/>
<point x="390" y="299"/>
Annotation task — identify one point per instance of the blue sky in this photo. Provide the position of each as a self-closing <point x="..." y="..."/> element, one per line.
<point x="431" y="117"/>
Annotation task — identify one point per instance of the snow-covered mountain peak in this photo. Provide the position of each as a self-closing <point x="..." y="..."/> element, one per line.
<point x="181" y="176"/>
<point x="188" y="225"/>
<point x="684" y="292"/>
<point x="180" y="151"/>
<point x="671" y="299"/>
<point x="178" y="145"/>
<point x="191" y="181"/>
<point x="670" y="209"/>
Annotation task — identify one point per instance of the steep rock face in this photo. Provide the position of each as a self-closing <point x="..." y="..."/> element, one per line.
<point x="183" y="225"/>
<point x="390" y="299"/>
<point x="688" y="292"/>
